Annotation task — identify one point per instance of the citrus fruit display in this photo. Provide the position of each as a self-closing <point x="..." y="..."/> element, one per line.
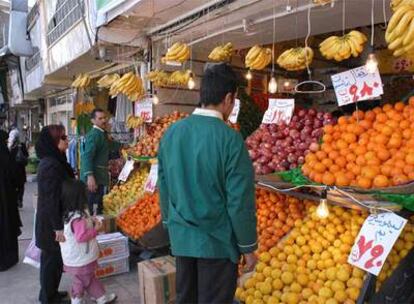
<point x="401" y="248"/>
<point x="373" y="149"/>
<point x="276" y="215"/>
<point x="310" y="264"/>
<point x="140" y="217"/>
<point x="122" y="195"/>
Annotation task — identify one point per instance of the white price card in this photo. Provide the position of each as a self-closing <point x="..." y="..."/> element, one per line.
<point x="126" y="170"/>
<point x="279" y="110"/>
<point x="144" y="109"/>
<point x="152" y="178"/>
<point x="356" y="85"/>
<point x="375" y="241"/>
<point x="235" y="113"/>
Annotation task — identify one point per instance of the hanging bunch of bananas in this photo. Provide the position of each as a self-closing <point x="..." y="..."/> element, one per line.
<point x="222" y="52"/>
<point x="179" y="78"/>
<point x="133" y="122"/>
<point x="400" y="30"/>
<point x="178" y="52"/>
<point x="396" y="4"/>
<point x="158" y="78"/>
<point x="130" y="85"/>
<point x="161" y="78"/>
<point x="322" y="2"/>
<point x="83" y="108"/>
<point x="106" y="81"/>
<point x="341" y="48"/>
<point x="296" y="59"/>
<point x="82" y="81"/>
<point x="258" y="58"/>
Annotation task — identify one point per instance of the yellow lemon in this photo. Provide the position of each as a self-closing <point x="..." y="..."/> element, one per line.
<point x="325" y="292"/>
<point x="353" y="293"/>
<point x="265" y="257"/>
<point x="302" y="279"/>
<point x="277" y="284"/>
<point x="287" y="277"/>
<point x="340" y="295"/>
<point x="307" y="293"/>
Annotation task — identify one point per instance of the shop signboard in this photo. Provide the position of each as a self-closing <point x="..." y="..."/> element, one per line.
<point x="144" y="109"/>
<point x="279" y="110"/>
<point x="356" y="85"/>
<point x="235" y="113"/>
<point x="152" y="178"/>
<point x="375" y="241"/>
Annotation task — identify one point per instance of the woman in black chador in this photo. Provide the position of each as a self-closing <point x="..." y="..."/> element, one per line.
<point x="9" y="214"/>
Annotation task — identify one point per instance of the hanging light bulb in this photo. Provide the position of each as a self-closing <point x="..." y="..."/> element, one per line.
<point x="372" y="63"/>
<point x="191" y="82"/>
<point x="322" y="210"/>
<point x="249" y="75"/>
<point x="272" y="85"/>
<point x="286" y="84"/>
<point x="155" y="99"/>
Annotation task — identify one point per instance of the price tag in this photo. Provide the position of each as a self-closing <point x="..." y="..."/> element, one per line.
<point x="279" y="110"/>
<point x="152" y="178"/>
<point x="356" y="85"/>
<point x="144" y="109"/>
<point x="126" y="170"/>
<point x="235" y="113"/>
<point x="375" y="241"/>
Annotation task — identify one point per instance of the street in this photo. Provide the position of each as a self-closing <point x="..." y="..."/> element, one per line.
<point x="20" y="284"/>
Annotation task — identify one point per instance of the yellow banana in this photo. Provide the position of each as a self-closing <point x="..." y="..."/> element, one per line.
<point x="396" y="43"/>
<point x="409" y="37"/>
<point x="253" y="52"/>
<point x="404" y="22"/>
<point x="396" y="17"/>
<point x="174" y="49"/>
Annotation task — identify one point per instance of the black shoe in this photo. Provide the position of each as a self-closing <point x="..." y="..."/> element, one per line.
<point x="63" y="294"/>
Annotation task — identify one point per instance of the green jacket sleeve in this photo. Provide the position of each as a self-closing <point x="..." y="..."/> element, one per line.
<point x="162" y="185"/>
<point x="89" y="154"/>
<point x="241" y="206"/>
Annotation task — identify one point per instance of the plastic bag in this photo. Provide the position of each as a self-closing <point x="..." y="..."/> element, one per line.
<point x="32" y="255"/>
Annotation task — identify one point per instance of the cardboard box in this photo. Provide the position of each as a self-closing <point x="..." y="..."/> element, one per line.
<point x="112" y="246"/>
<point x="112" y="267"/>
<point x="156" y="279"/>
<point x="108" y="223"/>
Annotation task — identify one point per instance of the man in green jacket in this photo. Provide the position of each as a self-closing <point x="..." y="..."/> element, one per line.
<point x="207" y="195"/>
<point x="94" y="160"/>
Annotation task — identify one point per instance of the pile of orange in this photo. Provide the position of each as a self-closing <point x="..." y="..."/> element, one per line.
<point x="309" y="265"/>
<point x="276" y="215"/>
<point x="372" y="149"/>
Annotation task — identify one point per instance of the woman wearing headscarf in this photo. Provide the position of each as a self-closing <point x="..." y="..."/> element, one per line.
<point x="52" y="171"/>
<point x="9" y="214"/>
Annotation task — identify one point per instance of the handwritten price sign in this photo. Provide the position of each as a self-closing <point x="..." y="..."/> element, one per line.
<point x="126" y="170"/>
<point x="152" y="178"/>
<point x="279" y="110"/>
<point x="375" y="241"/>
<point x="144" y="109"/>
<point x="356" y="85"/>
<point x="235" y="113"/>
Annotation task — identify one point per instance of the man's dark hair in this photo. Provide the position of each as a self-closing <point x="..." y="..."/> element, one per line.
<point x="96" y="110"/>
<point x="217" y="82"/>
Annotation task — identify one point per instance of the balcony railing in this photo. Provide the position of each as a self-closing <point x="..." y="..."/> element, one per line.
<point x="68" y="12"/>
<point x="32" y="16"/>
<point x="33" y="60"/>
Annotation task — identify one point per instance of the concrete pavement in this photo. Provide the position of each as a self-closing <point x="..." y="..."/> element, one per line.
<point x="20" y="284"/>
